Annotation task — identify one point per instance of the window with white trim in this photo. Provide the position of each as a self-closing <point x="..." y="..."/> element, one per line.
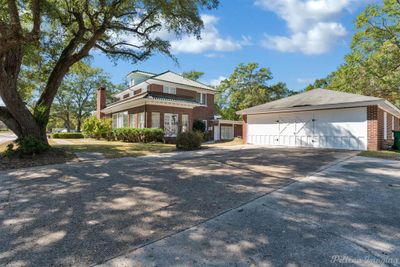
<point x="120" y="120"/>
<point x="385" y="125"/>
<point x="155" y="120"/>
<point x="201" y="98"/>
<point x="132" y="120"/>
<point x="171" y="124"/>
<point x="185" y="123"/>
<point x="141" y="120"/>
<point x="169" y="90"/>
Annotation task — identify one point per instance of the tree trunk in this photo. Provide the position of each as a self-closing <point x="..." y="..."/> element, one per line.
<point x="16" y="115"/>
<point x="78" y="125"/>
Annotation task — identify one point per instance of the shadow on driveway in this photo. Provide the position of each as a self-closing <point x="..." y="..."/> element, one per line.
<point x="83" y="214"/>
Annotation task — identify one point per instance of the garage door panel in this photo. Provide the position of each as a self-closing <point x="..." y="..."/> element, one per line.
<point x="345" y="128"/>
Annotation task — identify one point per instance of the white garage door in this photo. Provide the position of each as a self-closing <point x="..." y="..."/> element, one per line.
<point x="226" y="132"/>
<point x="340" y="128"/>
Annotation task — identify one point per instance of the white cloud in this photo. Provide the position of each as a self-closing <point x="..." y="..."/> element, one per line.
<point x="217" y="81"/>
<point x="214" y="55"/>
<point x="317" y="40"/>
<point x="211" y="40"/>
<point x="305" y="80"/>
<point x="312" y="23"/>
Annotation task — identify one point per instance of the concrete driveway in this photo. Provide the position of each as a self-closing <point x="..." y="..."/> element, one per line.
<point x="215" y="207"/>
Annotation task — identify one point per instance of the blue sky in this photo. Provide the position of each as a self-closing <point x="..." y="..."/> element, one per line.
<point x="299" y="40"/>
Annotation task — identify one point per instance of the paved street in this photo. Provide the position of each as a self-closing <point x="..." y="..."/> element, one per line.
<point x="6" y="136"/>
<point x="215" y="207"/>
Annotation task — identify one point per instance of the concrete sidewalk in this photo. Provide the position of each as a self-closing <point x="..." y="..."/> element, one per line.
<point x="348" y="214"/>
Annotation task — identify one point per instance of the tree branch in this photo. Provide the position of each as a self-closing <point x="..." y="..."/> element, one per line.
<point x="9" y="121"/>
<point x="14" y="17"/>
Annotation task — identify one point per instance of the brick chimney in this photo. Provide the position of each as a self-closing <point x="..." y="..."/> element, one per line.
<point x="101" y="101"/>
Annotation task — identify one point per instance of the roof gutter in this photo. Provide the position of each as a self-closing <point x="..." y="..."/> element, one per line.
<point x="320" y="107"/>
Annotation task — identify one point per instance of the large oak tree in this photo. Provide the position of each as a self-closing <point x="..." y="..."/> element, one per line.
<point x="246" y="87"/>
<point x="63" y="32"/>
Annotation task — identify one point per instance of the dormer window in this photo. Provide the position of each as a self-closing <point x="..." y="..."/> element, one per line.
<point x="201" y="98"/>
<point x="169" y="90"/>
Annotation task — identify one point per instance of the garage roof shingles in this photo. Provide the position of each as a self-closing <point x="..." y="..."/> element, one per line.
<point x="316" y="98"/>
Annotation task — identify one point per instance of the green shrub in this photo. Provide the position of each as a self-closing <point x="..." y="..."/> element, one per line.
<point x="207" y="136"/>
<point x="134" y="135"/>
<point x="189" y="140"/>
<point x="199" y="126"/>
<point x="29" y="145"/>
<point x="97" y="128"/>
<point x="67" y="135"/>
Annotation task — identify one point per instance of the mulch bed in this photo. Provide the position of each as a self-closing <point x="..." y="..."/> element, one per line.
<point x="52" y="156"/>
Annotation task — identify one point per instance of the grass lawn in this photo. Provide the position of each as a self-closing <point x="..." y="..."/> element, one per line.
<point x="52" y="156"/>
<point x="234" y="142"/>
<point x="112" y="149"/>
<point x="384" y="154"/>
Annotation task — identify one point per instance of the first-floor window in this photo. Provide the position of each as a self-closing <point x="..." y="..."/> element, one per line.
<point x="120" y="120"/>
<point x="185" y="123"/>
<point x="155" y="120"/>
<point x="141" y="120"/>
<point x="132" y="120"/>
<point x="170" y="124"/>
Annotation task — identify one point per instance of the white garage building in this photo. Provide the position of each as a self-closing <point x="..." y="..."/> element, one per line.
<point x="322" y="118"/>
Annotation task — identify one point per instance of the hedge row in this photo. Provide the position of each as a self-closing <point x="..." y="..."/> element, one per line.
<point x="67" y="135"/>
<point x="144" y="135"/>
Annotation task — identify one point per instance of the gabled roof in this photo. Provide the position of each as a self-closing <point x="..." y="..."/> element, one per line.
<point x="170" y="76"/>
<point x="142" y="72"/>
<point x="318" y="99"/>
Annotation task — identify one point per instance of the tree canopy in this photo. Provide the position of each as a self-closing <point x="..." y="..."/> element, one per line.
<point x="246" y="87"/>
<point x="58" y="34"/>
<point x="193" y="75"/>
<point x="373" y="65"/>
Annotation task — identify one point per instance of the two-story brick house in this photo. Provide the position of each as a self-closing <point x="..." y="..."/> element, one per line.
<point x="166" y="100"/>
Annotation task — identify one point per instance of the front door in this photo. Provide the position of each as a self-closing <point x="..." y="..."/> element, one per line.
<point x="171" y="124"/>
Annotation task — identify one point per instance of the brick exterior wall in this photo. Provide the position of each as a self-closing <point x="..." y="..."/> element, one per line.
<point x="238" y="131"/>
<point x="244" y="127"/>
<point x="205" y="113"/>
<point x="376" y="138"/>
<point x="101" y="102"/>
<point x="199" y="113"/>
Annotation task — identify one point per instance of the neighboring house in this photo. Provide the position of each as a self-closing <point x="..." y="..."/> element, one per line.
<point x="166" y="100"/>
<point x="227" y="129"/>
<point x="323" y="118"/>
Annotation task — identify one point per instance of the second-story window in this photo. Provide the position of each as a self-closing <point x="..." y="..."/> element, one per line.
<point x="201" y="98"/>
<point x="169" y="90"/>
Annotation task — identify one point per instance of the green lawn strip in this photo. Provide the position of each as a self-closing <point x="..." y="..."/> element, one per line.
<point x="118" y="149"/>
<point x="393" y="155"/>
